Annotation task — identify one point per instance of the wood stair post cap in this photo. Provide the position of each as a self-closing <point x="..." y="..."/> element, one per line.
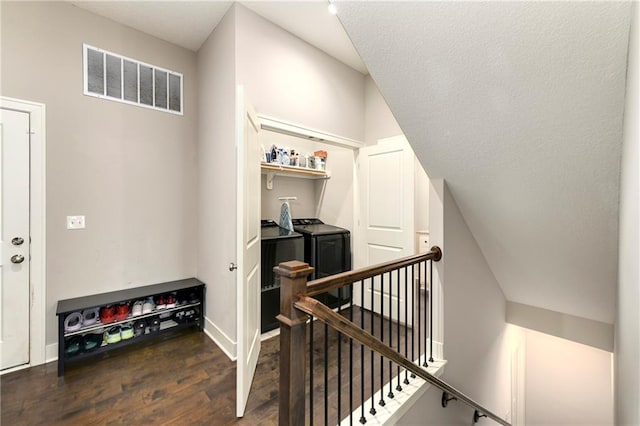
<point x="293" y="269"/>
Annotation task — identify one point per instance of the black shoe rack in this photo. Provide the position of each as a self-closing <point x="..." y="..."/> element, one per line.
<point x="190" y="294"/>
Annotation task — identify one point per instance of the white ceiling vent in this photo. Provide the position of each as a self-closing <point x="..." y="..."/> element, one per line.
<point x="118" y="78"/>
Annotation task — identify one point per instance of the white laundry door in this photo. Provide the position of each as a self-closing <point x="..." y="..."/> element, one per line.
<point x="14" y="244"/>
<point x="248" y="246"/>
<point x="386" y="182"/>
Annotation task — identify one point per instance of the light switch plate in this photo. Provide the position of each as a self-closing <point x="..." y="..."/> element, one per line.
<point x="75" y="222"/>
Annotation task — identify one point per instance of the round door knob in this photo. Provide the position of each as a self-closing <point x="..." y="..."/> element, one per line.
<point x="17" y="241"/>
<point x="17" y="258"/>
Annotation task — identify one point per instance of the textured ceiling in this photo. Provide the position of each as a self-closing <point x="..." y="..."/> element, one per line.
<point x="518" y="106"/>
<point x="189" y="23"/>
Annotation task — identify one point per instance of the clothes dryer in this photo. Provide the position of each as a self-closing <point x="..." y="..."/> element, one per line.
<point x="328" y="249"/>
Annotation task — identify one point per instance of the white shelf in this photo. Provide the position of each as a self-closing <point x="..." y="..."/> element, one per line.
<point x="273" y="170"/>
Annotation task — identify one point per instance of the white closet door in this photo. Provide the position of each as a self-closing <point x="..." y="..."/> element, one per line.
<point x="248" y="246"/>
<point x="386" y="182"/>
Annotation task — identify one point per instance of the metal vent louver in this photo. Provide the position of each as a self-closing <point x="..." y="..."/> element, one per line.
<point x="114" y="77"/>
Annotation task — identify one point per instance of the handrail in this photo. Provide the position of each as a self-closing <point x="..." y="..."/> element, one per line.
<point x="323" y="285"/>
<point x="338" y="322"/>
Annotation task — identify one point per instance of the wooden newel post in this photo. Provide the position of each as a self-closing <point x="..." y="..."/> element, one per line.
<point x="293" y="337"/>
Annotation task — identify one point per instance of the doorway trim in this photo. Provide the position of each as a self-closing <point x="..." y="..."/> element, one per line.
<point x="37" y="226"/>
<point x="287" y="128"/>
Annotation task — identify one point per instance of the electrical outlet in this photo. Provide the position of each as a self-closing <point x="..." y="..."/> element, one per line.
<point x="75" y="222"/>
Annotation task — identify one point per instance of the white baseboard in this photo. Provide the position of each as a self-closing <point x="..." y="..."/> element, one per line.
<point x="51" y="352"/>
<point x="223" y="341"/>
<point x="14" y="369"/>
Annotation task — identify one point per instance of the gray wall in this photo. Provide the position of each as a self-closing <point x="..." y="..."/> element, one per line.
<point x="627" y="342"/>
<point x="129" y="170"/>
<point x="217" y="179"/>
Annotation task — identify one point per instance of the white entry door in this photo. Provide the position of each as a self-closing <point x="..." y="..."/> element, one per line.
<point x="14" y="239"/>
<point x="386" y="182"/>
<point x="248" y="246"/>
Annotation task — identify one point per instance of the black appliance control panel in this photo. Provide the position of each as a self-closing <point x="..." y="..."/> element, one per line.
<point x="302" y="222"/>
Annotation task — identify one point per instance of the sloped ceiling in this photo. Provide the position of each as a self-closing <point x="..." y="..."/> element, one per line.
<point x="518" y="106"/>
<point x="181" y="22"/>
<point x="188" y="23"/>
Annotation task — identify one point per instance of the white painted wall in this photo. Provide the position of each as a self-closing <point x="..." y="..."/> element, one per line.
<point x="305" y="190"/>
<point x="477" y="340"/>
<point x="379" y="120"/>
<point x="627" y="343"/>
<point x="335" y="198"/>
<point x="330" y="200"/>
<point x="289" y="79"/>
<point x="567" y="383"/>
<point x="581" y="330"/>
<point x="131" y="171"/>
<point x="216" y="180"/>
<point x="421" y="197"/>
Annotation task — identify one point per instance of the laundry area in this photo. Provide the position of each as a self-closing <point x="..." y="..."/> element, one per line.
<point x="307" y="193"/>
<point x="320" y="205"/>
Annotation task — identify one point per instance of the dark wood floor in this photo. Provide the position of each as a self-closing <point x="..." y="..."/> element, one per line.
<point x="183" y="379"/>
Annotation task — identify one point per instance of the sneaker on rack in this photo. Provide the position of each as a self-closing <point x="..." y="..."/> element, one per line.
<point x="136" y="309"/>
<point x="92" y="342"/>
<point x="107" y="314"/>
<point x="122" y="311"/>
<point x="154" y="325"/>
<point x="112" y="335"/>
<point x="126" y="332"/>
<point x="139" y="327"/>
<point x="160" y="303"/>
<point x="90" y="316"/>
<point x="193" y="298"/>
<point x="73" y="346"/>
<point x="170" y="300"/>
<point x="73" y="322"/>
<point x="148" y="306"/>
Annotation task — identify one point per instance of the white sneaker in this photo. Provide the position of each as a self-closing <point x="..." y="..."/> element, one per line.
<point x="148" y="306"/>
<point x="137" y="308"/>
